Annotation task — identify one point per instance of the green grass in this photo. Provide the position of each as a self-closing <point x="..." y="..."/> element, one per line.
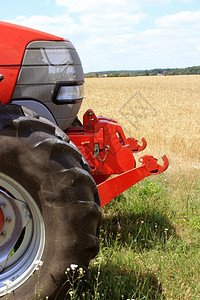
<point x="149" y="242"/>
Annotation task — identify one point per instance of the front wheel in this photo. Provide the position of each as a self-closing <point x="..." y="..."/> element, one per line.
<point x="22" y="237"/>
<point x="49" y="206"/>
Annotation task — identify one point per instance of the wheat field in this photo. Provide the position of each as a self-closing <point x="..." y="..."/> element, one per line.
<point x="163" y="109"/>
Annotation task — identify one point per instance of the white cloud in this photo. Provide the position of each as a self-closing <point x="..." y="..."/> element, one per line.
<point x="109" y="5"/>
<point x="173" y="43"/>
<point x="86" y="29"/>
<point x="186" y="1"/>
<point x="181" y="19"/>
<point x="51" y="25"/>
<point x="97" y="6"/>
<point x="110" y="22"/>
<point x="109" y="34"/>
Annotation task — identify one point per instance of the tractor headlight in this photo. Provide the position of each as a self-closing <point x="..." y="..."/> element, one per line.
<point x="68" y="92"/>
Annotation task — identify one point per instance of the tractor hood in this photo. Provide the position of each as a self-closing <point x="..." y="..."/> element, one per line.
<point x="42" y="72"/>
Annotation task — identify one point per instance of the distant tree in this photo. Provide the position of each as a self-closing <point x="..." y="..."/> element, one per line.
<point x="153" y="72"/>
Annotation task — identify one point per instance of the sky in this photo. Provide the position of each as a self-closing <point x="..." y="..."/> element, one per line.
<point x="117" y="34"/>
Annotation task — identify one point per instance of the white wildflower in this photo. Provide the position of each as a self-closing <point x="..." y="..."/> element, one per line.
<point x="7" y="282"/>
<point x="38" y="262"/>
<point x="73" y="266"/>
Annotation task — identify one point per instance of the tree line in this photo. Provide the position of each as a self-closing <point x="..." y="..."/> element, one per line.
<point x="153" y="72"/>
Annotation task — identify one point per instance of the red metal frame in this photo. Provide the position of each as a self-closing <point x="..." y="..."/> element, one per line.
<point x="104" y="145"/>
<point x="107" y="151"/>
<point x="113" y="187"/>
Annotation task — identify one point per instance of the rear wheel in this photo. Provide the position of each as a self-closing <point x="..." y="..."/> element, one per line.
<point x="49" y="206"/>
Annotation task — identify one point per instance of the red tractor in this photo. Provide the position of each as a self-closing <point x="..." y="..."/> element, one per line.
<point x="54" y="170"/>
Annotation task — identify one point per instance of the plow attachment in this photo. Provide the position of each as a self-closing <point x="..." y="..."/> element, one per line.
<point x="107" y="151"/>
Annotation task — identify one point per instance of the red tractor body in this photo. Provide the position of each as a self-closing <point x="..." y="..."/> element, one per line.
<point x="41" y="85"/>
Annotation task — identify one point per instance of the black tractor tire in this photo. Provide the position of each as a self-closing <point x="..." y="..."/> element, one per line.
<point x="40" y="165"/>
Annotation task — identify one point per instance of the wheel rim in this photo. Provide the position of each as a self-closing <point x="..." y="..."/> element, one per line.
<point x="30" y="246"/>
<point x="1" y="219"/>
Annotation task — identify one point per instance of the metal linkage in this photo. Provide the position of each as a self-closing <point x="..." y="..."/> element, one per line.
<point x="104" y="145"/>
<point x="134" y="146"/>
<point x="114" y="186"/>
